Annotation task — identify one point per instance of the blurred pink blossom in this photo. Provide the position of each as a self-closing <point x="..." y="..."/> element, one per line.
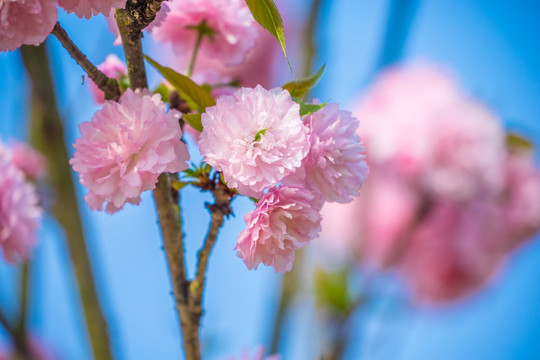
<point x="27" y="22"/>
<point x="89" y="8"/>
<point x="234" y="29"/>
<point x="417" y="121"/>
<point x="522" y="196"/>
<point x="125" y="147"/>
<point x="285" y="219"/>
<point x="29" y="160"/>
<point x="258" y="355"/>
<point x="445" y="201"/>
<point x="114" y="68"/>
<point x="19" y="210"/>
<point x="335" y="165"/>
<point x="255" y="137"/>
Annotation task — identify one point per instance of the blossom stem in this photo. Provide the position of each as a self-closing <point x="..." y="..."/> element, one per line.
<point x="198" y="42"/>
<point x="47" y="136"/>
<point x="168" y="210"/>
<point x="20" y="341"/>
<point x="108" y="85"/>
<point x="24" y="284"/>
<point x="218" y="210"/>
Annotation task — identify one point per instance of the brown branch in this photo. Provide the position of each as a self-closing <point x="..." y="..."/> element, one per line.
<point x="130" y="24"/>
<point x="47" y="135"/>
<point x="108" y="85"/>
<point x="218" y="211"/>
<point x="170" y="223"/>
<point x="131" y="41"/>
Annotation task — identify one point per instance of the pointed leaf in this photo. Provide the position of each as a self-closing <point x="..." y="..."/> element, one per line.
<point x="267" y="15"/>
<point x="194" y="120"/>
<point x="301" y="87"/>
<point x="178" y="185"/>
<point x="188" y="89"/>
<point x="307" y="109"/>
<point x="517" y="142"/>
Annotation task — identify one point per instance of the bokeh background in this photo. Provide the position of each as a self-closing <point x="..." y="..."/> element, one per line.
<point x="492" y="47"/>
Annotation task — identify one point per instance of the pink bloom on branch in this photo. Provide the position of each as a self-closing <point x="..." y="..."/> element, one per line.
<point x="125" y="147"/>
<point x="336" y="164"/>
<point x="233" y="26"/>
<point x="114" y="68"/>
<point x="29" y="160"/>
<point x="255" y="137"/>
<point x="285" y="219"/>
<point x="19" y="210"/>
<point x="27" y="22"/>
<point x="89" y="8"/>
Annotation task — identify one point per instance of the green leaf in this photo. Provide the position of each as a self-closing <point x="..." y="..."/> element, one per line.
<point x="189" y="90"/>
<point x="332" y="290"/>
<point x="164" y="91"/>
<point x="518" y="142"/>
<point x="178" y="185"/>
<point x="194" y="120"/>
<point x="260" y="134"/>
<point x="267" y="15"/>
<point x="301" y="87"/>
<point x="307" y="109"/>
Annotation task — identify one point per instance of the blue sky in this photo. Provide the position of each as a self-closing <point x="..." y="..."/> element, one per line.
<point x="490" y="45"/>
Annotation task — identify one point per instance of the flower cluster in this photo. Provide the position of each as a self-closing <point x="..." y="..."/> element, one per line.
<point x="89" y="8"/>
<point x="447" y="200"/>
<point x="19" y="210"/>
<point x="125" y="147"/>
<point x="29" y="22"/>
<point x="26" y="22"/>
<point x="259" y="141"/>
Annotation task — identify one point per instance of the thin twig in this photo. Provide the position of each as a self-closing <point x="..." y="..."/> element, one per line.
<point x="218" y="210"/>
<point x="47" y="135"/>
<point x="108" y="85"/>
<point x="24" y="289"/>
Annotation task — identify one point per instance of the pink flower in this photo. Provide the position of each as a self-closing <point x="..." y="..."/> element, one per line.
<point x="29" y="160"/>
<point x="19" y="210"/>
<point x="113" y="26"/>
<point x="255" y="137"/>
<point x="453" y="251"/>
<point x="417" y="120"/>
<point x="26" y="22"/>
<point x="259" y="355"/>
<point x="335" y="165"/>
<point x="125" y="147"/>
<point x="285" y="219"/>
<point x="522" y="197"/>
<point x="114" y="68"/>
<point x="89" y="8"/>
<point x="233" y="27"/>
